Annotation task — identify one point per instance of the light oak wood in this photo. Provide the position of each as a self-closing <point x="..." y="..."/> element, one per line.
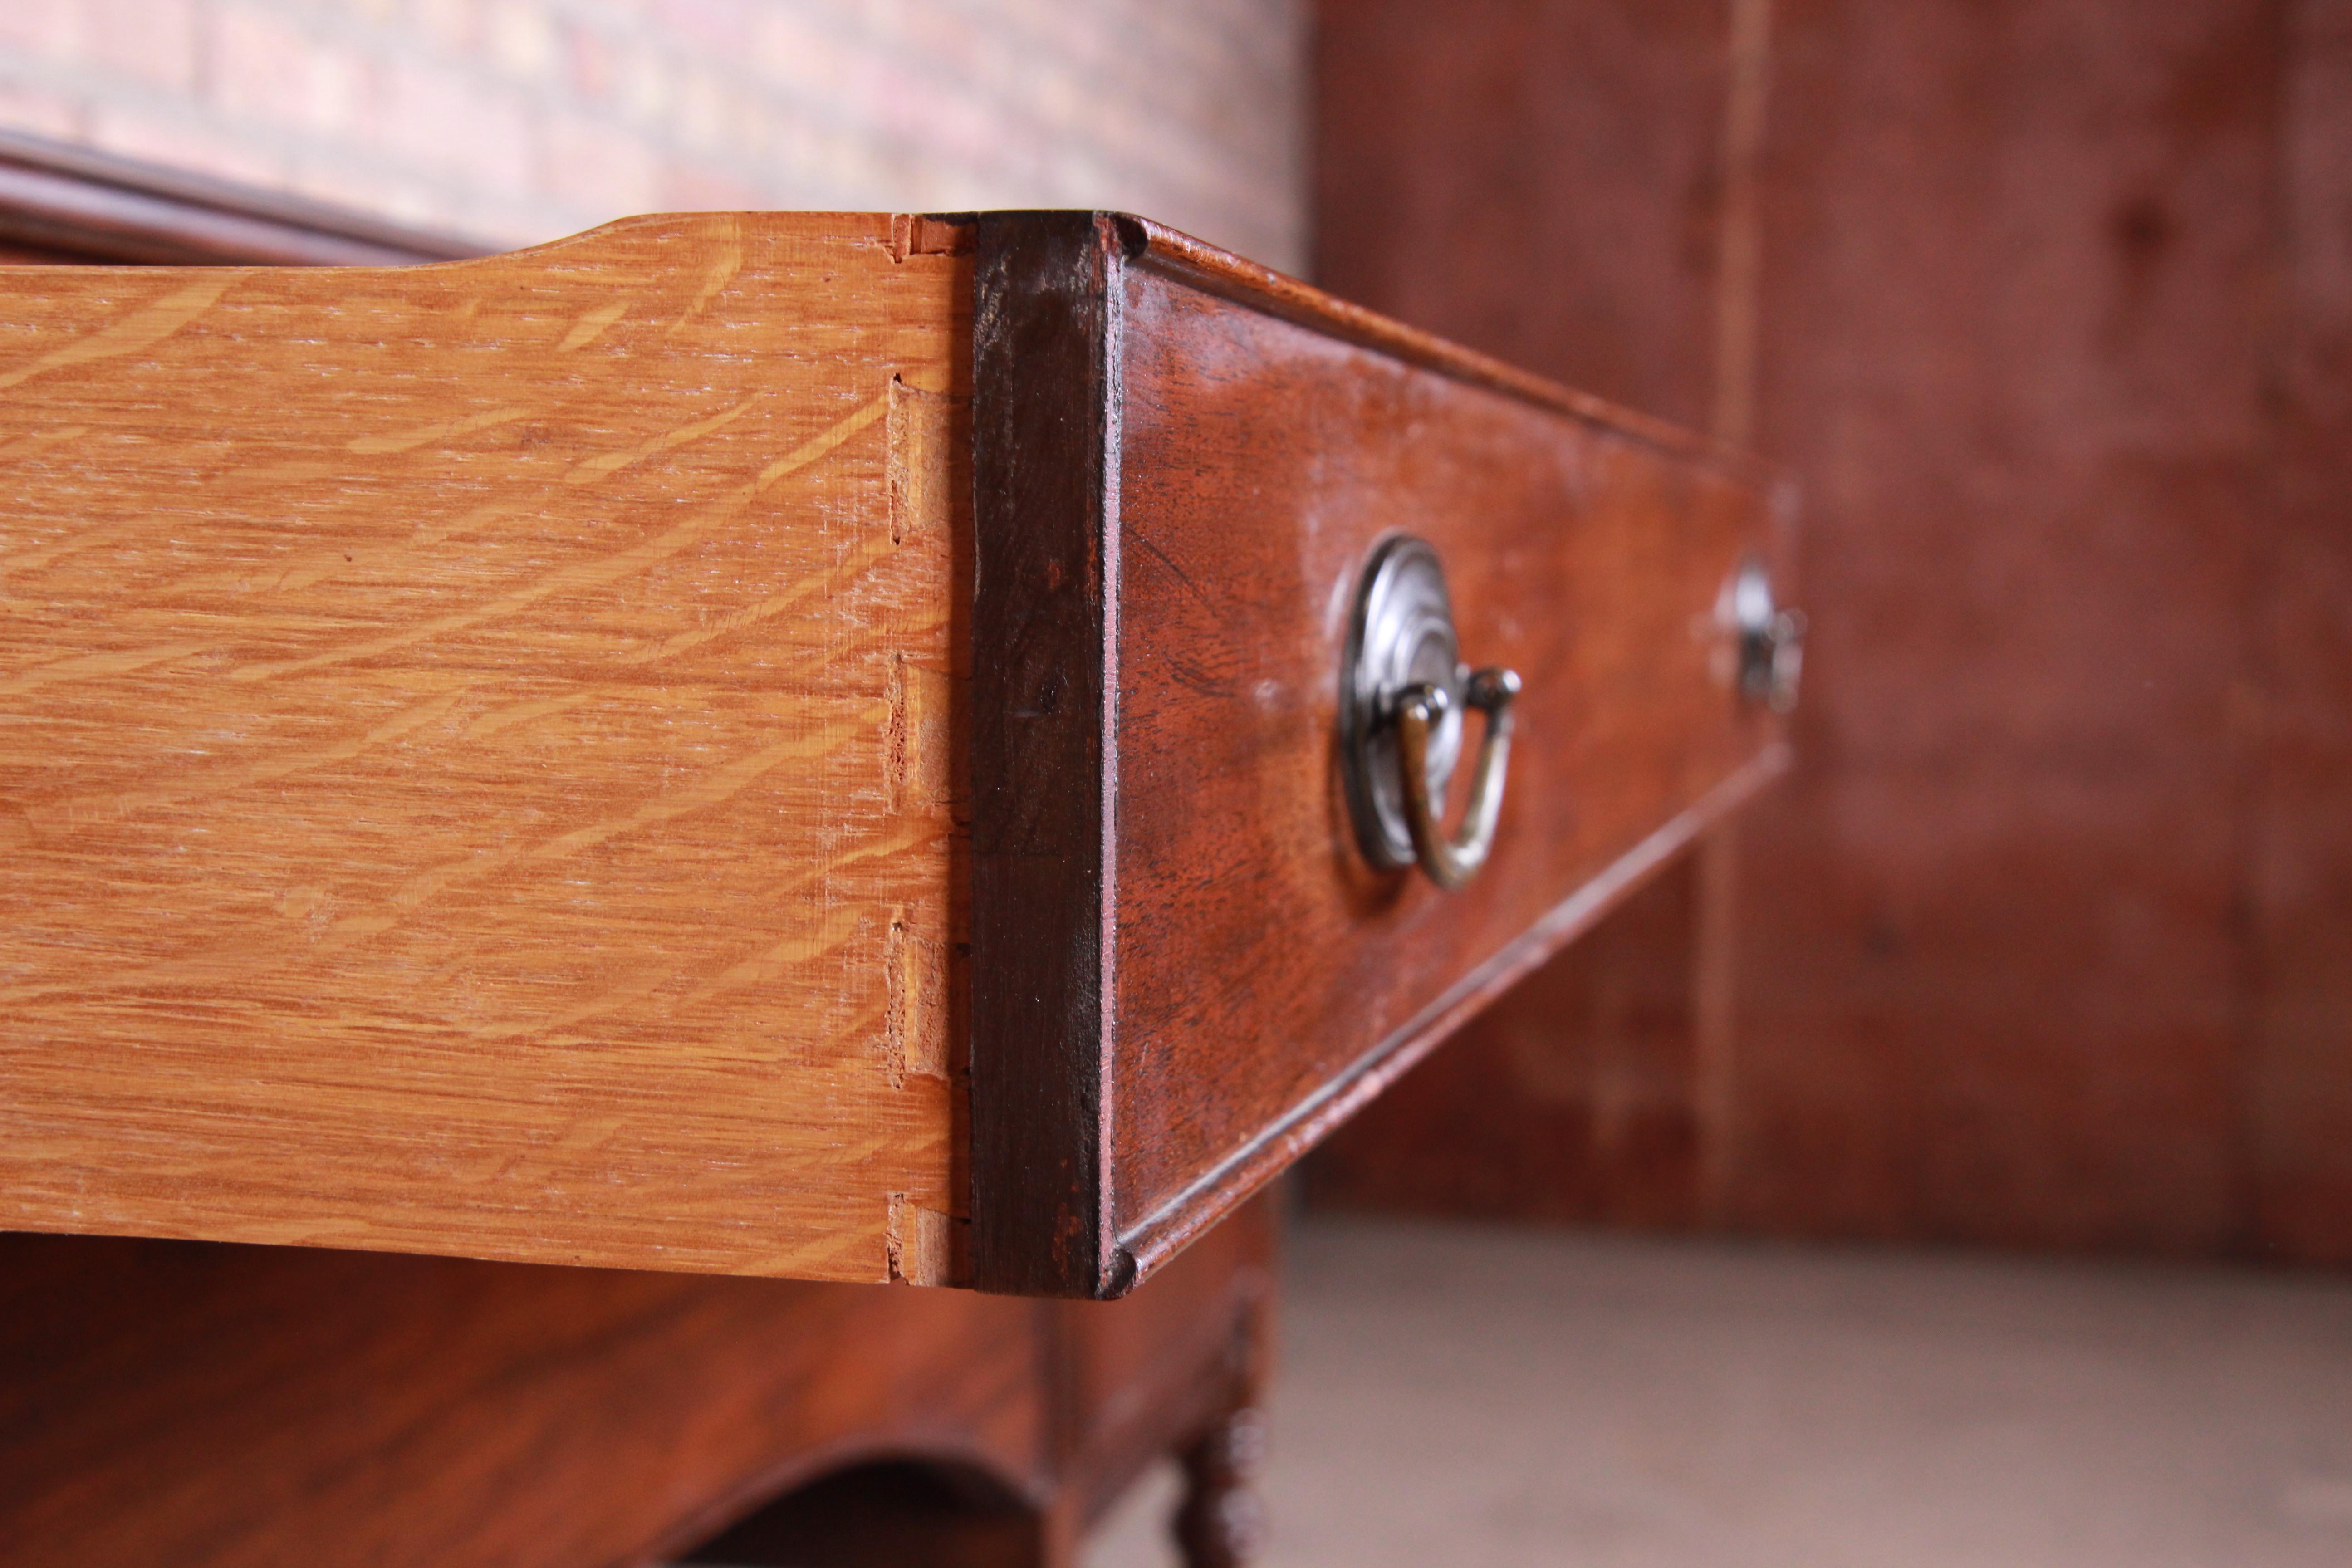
<point x="476" y="761"/>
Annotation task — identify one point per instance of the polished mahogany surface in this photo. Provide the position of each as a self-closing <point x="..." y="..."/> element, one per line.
<point x="227" y="1406"/>
<point x="1184" y="973"/>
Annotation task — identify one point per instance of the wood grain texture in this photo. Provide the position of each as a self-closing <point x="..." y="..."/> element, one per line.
<point x="478" y="767"/>
<point x="1256" y="983"/>
<point x="218" y="1406"/>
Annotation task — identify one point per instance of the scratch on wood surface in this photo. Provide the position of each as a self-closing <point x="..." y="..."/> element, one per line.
<point x="217" y="970"/>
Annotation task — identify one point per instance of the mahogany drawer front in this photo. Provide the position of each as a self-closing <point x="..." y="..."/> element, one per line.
<point x="509" y="758"/>
<point x="1185" y="971"/>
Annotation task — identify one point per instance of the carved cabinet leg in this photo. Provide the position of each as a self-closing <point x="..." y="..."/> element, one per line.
<point x="1221" y="1523"/>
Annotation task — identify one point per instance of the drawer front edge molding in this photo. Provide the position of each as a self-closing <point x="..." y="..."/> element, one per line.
<point x="1043" y="775"/>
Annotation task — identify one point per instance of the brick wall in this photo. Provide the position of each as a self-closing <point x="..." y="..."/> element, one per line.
<point x="2047" y="938"/>
<point x="521" y="119"/>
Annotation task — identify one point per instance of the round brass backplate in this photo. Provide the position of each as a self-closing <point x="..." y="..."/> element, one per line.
<point x="1402" y="637"/>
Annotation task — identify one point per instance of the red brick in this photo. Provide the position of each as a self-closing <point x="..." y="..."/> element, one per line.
<point x="44" y="30"/>
<point x="151" y="41"/>
<point x="182" y="144"/>
<point x="266" y="69"/>
<point x="685" y="188"/>
<point x="591" y="61"/>
<point x="597" y="166"/>
<point x="56" y="114"/>
<point x="446" y="122"/>
<point x="521" y="40"/>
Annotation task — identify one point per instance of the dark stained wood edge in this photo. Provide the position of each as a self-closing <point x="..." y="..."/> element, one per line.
<point x="1045" y="508"/>
<point x="103" y="209"/>
<point x="1151" y="1240"/>
<point x="1202" y="266"/>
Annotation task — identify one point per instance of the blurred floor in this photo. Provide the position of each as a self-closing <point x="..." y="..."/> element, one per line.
<point x="1485" y="1397"/>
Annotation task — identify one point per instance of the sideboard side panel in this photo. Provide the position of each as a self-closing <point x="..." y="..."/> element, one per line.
<point x="466" y="784"/>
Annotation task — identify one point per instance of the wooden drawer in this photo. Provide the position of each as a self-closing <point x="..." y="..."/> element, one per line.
<point x="509" y="758"/>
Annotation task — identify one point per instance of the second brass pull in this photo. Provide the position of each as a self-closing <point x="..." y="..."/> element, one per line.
<point x="1452" y="862"/>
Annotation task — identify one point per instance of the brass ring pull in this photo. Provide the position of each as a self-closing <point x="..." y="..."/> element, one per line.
<point x="1403" y="691"/>
<point x="1420" y="710"/>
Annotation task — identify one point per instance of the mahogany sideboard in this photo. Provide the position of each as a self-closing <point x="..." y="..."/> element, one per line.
<point x="842" y="747"/>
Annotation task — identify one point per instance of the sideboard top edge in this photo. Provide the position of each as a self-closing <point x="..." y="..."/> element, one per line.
<point x="1198" y="264"/>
